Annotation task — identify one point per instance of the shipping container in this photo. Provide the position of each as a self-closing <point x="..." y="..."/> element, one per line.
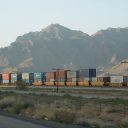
<point x="61" y="74"/>
<point x="25" y="77"/>
<point x="0" y="78"/>
<point x="6" y="82"/>
<point x="103" y="79"/>
<point x="13" y="78"/>
<point x="19" y="77"/>
<point x="50" y="75"/>
<point x="39" y="78"/>
<point x="5" y="76"/>
<point x="72" y="74"/>
<point x="119" y="79"/>
<point x="92" y="72"/>
<point x="31" y="78"/>
<point x="87" y="73"/>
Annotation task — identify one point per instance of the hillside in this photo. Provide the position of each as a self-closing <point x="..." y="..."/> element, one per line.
<point x="59" y="47"/>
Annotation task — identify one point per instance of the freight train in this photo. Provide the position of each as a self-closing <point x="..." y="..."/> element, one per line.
<point x="82" y="77"/>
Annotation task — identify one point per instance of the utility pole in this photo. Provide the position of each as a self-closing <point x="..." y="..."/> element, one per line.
<point x="57" y="78"/>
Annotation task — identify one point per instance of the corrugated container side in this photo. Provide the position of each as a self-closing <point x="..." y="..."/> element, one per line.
<point x="40" y="75"/>
<point x="116" y="79"/>
<point x="31" y="78"/>
<point x="71" y="74"/>
<point x="0" y="78"/>
<point x="92" y="72"/>
<point x="19" y="77"/>
<point x="5" y="82"/>
<point x="50" y="75"/>
<point x="83" y="73"/>
<point x="125" y="79"/>
<point x="14" y="76"/>
<point x="61" y="74"/>
<point x="5" y="76"/>
<point x="25" y="76"/>
<point x="103" y="79"/>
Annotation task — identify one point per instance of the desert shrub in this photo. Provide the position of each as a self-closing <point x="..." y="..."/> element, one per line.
<point x="20" y="106"/>
<point x="64" y="116"/>
<point x="21" y="85"/>
<point x="7" y="102"/>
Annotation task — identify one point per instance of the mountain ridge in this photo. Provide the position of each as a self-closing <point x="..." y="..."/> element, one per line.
<point x="58" y="46"/>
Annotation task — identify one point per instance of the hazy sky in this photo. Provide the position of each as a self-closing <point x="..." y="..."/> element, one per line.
<point x="22" y="16"/>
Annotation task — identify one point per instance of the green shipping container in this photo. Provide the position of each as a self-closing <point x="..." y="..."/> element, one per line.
<point x="13" y="77"/>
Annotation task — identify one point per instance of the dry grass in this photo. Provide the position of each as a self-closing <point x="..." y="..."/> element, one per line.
<point x="86" y="112"/>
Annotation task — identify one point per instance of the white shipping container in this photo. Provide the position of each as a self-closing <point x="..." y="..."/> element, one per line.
<point x="5" y="81"/>
<point x="25" y="76"/>
<point x="116" y="79"/>
<point x="74" y="79"/>
<point x="71" y="74"/>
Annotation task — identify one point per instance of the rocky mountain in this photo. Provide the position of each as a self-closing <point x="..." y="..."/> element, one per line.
<point x="59" y="47"/>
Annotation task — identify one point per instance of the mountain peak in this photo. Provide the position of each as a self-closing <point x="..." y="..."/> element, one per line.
<point x="54" y="27"/>
<point x="58" y="31"/>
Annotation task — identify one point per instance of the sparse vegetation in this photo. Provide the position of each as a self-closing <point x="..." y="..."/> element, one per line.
<point x="21" y="85"/>
<point x="90" y="113"/>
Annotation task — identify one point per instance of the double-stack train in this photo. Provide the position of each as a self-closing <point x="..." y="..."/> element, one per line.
<point x="82" y="77"/>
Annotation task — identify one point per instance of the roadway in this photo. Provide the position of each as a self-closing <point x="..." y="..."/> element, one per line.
<point x="8" y="122"/>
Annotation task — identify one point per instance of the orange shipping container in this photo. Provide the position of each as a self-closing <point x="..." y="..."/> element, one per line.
<point x="5" y="76"/>
<point x="50" y="75"/>
<point x="60" y="73"/>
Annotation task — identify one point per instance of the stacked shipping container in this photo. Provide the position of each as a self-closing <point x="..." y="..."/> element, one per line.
<point x="61" y="77"/>
<point x="5" y="78"/>
<point x="39" y="78"/>
<point x="25" y="77"/>
<point x="50" y="78"/>
<point x="72" y="78"/>
<point x="118" y="80"/>
<point x="86" y="76"/>
<point x="13" y="78"/>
